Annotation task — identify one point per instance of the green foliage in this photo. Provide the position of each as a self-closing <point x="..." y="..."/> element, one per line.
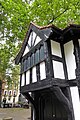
<point x="12" y="79"/>
<point x="15" y="17"/>
<point x="58" y="12"/>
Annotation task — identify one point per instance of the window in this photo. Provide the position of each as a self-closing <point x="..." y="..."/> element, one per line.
<point x="14" y="93"/>
<point x="41" y="53"/>
<point x="28" y="62"/>
<point x="5" y="93"/>
<point x="25" y="65"/>
<point x="33" y="59"/>
<point x="37" y="56"/>
<point x="22" y="66"/>
<point x="10" y="93"/>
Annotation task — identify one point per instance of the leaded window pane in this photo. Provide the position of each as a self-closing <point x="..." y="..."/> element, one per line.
<point x="37" y="56"/>
<point x="41" y="53"/>
<point x="28" y="62"/>
<point x="25" y="65"/>
<point x="32" y="59"/>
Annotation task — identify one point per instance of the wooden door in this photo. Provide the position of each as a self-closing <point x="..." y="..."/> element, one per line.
<point x="52" y="109"/>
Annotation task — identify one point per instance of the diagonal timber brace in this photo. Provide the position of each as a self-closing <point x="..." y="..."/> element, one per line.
<point x="64" y="100"/>
<point x="27" y="96"/>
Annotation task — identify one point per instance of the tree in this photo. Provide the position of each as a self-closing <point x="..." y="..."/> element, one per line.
<point x="16" y="15"/>
<point x="58" y="12"/>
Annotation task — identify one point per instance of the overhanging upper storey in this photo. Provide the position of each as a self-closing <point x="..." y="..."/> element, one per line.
<point x="49" y="56"/>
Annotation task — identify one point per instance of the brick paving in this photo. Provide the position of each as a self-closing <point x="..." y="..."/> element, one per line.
<point x="15" y="113"/>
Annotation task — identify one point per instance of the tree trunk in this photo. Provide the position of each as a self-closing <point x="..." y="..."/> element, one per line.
<point x="0" y="92"/>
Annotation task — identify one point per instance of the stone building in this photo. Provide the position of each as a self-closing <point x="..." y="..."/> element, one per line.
<point x="11" y="95"/>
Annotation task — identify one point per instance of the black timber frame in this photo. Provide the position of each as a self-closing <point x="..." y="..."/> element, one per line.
<point x="62" y="36"/>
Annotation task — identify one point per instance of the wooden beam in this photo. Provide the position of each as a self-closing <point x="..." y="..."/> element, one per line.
<point x="48" y="61"/>
<point x="56" y="58"/>
<point x="72" y="82"/>
<point x="48" y="83"/>
<point x="27" y="96"/>
<point x="63" y="57"/>
<point x="42" y="33"/>
<point x="77" y="59"/>
<point x="42" y="84"/>
<point x="34" y="104"/>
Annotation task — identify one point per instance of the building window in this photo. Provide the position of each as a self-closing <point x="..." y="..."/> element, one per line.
<point x="10" y="93"/>
<point x="33" y="59"/>
<point x="41" y="53"/>
<point x="25" y="65"/>
<point x="37" y="56"/>
<point x="5" y="93"/>
<point x="14" y="93"/>
<point x="28" y="62"/>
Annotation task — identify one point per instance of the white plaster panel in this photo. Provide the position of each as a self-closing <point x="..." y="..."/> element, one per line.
<point x="42" y="71"/>
<point x="26" y="50"/>
<point x="76" y="102"/>
<point x="33" y="42"/>
<point x="34" y="76"/>
<point x="70" y="60"/>
<point x="23" y="80"/>
<point x="32" y="35"/>
<point x="79" y="42"/>
<point x="38" y="39"/>
<point x="55" y="48"/>
<point x="58" y="70"/>
<point x="27" y="77"/>
<point x="29" y="40"/>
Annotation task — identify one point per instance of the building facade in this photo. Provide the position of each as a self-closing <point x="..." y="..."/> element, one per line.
<point x="50" y="71"/>
<point x="10" y="95"/>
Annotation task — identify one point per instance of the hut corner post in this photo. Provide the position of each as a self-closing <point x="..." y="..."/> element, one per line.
<point x="64" y="100"/>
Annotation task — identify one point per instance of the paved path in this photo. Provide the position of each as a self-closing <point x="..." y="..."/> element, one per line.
<point x="15" y="113"/>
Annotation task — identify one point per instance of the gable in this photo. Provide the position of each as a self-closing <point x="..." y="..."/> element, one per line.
<point x="33" y="40"/>
<point x="35" y="33"/>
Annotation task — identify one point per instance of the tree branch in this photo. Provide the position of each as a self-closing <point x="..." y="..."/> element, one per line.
<point x="58" y="16"/>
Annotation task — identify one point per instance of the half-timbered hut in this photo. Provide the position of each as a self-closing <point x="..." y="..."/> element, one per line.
<point x="50" y="70"/>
